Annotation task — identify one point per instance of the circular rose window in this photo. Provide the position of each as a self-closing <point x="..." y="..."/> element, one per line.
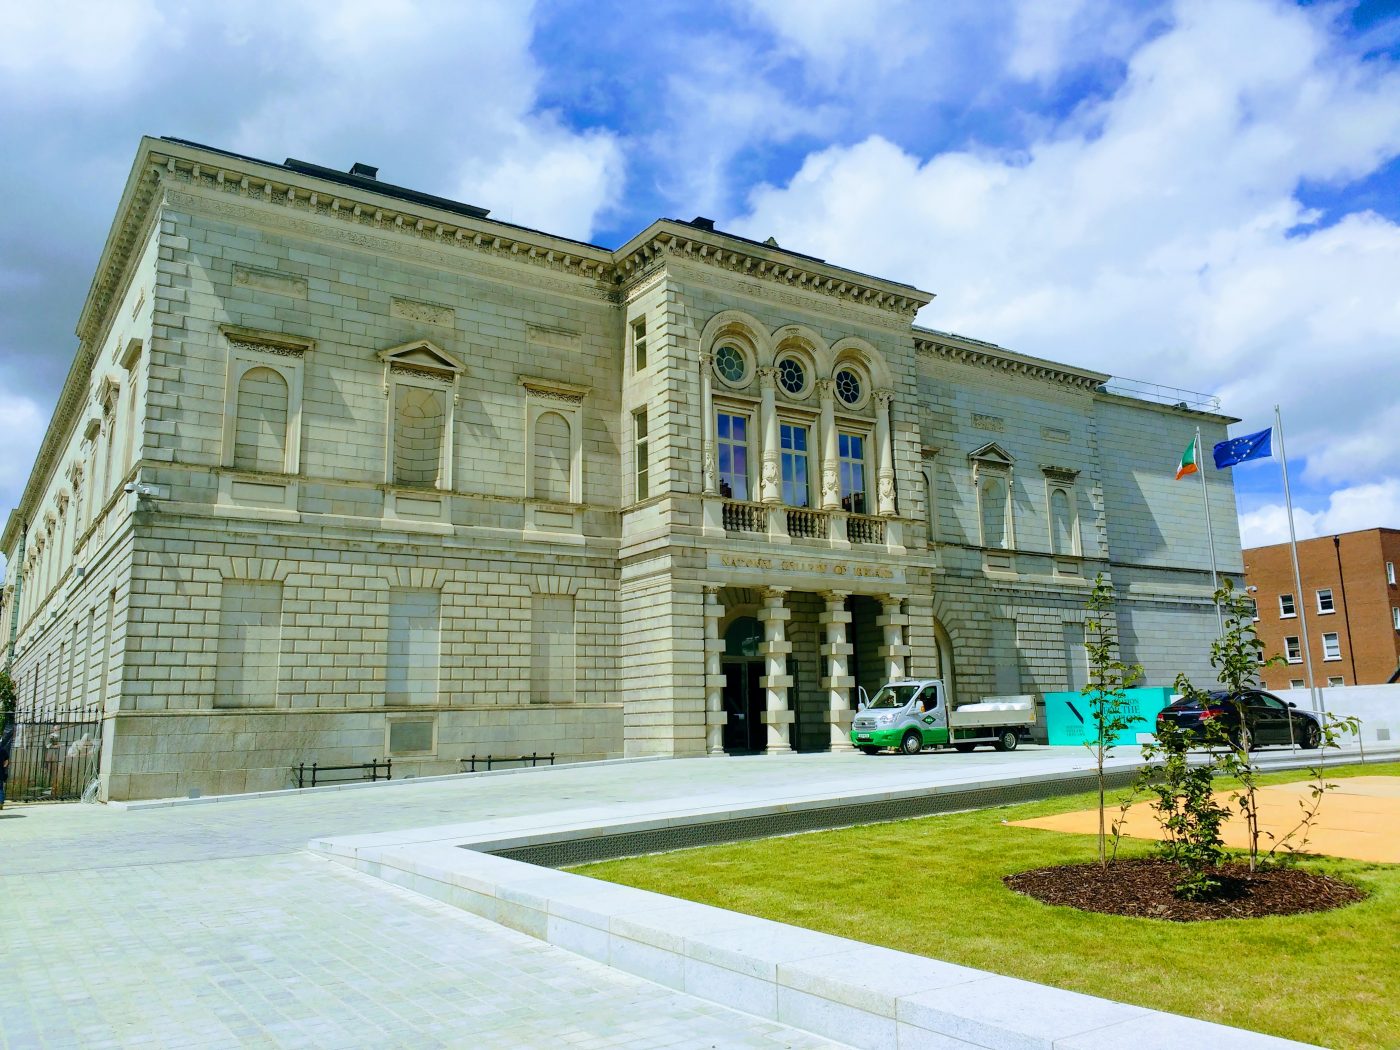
<point x="848" y="386"/>
<point x="730" y="363"/>
<point x="791" y="375"/>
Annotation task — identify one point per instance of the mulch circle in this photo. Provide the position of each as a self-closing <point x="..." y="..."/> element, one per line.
<point x="1144" y="889"/>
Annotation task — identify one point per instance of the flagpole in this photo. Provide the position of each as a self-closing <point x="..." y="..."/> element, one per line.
<point x="1301" y="605"/>
<point x="1210" y="535"/>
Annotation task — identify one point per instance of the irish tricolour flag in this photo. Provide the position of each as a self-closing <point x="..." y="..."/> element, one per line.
<point x="1188" y="461"/>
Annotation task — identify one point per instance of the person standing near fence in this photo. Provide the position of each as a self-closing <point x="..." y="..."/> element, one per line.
<point x="7" y="743"/>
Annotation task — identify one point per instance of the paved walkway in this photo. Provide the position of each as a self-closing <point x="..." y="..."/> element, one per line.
<point x="210" y="924"/>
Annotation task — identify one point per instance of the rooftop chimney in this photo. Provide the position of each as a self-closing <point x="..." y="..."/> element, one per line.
<point x="703" y="223"/>
<point x="364" y="170"/>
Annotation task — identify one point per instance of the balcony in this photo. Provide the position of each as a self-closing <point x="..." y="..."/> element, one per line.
<point x="838" y="528"/>
<point x="740" y="516"/>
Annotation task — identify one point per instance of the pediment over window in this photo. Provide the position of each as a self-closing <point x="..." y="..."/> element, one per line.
<point x="421" y="355"/>
<point x="991" y="455"/>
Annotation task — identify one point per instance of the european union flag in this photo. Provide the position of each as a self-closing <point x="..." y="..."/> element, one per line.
<point x="1237" y="450"/>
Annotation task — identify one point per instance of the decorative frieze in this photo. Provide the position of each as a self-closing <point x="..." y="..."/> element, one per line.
<point x="426" y="313"/>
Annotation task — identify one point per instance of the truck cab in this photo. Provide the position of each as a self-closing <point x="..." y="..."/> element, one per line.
<point x="913" y="714"/>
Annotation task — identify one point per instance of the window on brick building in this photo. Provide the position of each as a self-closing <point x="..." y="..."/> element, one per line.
<point x="1253" y="607"/>
<point x="1286" y="607"/>
<point x="1293" y="650"/>
<point x="1295" y="683"/>
<point x="1395" y="616"/>
<point x="1336" y="680"/>
<point x="1390" y="573"/>
<point x="1324" y="601"/>
<point x="1331" y="646"/>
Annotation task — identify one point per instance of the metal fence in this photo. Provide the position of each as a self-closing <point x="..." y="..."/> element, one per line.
<point x="56" y="753"/>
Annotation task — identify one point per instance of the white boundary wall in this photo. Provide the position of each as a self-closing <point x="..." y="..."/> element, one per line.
<point x="1378" y="707"/>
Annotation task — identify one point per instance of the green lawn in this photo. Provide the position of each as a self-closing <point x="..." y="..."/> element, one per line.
<point x="1331" y="978"/>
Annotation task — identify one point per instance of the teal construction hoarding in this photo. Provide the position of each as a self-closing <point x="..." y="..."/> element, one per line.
<point x="1068" y="719"/>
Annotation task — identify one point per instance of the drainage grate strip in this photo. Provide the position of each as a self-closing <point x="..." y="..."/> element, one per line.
<point x="741" y="829"/>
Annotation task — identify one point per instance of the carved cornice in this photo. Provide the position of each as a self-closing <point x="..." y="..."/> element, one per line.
<point x="339" y="203"/>
<point x="787" y="270"/>
<point x="1007" y="362"/>
<point x="1059" y="473"/>
<point x="554" y="390"/>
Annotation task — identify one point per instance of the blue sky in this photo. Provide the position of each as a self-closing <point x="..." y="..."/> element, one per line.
<point x="1203" y="193"/>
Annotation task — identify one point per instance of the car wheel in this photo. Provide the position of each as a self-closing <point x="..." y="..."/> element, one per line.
<point x="1312" y="736"/>
<point x="912" y="743"/>
<point x="870" y="750"/>
<point x="1007" y="741"/>
<point x="964" y="748"/>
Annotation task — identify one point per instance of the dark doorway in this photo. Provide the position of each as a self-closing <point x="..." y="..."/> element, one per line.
<point x="744" y="698"/>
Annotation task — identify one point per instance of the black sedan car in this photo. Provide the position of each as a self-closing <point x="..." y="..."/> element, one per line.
<point x="1270" y="720"/>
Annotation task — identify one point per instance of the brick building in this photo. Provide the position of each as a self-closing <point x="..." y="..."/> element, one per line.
<point x="1350" y="601"/>
<point x="343" y="470"/>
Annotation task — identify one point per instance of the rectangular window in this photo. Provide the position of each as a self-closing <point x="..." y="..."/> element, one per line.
<point x="553" y="659"/>
<point x="1331" y="647"/>
<point x="1253" y="608"/>
<point x="851" y="450"/>
<point x="1324" y="601"/>
<point x="1285" y="606"/>
<point x="1295" y="683"/>
<point x="639" y="344"/>
<point x="792" y="443"/>
<point x="250" y="643"/>
<point x="1390" y="573"/>
<point x="1293" y="650"/>
<point x="1336" y="680"/>
<point x="639" y="447"/>
<point x="411" y="673"/>
<point x="1395" y="616"/>
<point x="732" y="437"/>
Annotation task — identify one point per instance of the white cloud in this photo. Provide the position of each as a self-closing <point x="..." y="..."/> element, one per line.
<point x="75" y="47"/>
<point x="1348" y="510"/>
<point x="1157" y="234"/>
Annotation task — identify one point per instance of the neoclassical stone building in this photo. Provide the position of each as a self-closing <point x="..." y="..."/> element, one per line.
<point x="344" y="471"/>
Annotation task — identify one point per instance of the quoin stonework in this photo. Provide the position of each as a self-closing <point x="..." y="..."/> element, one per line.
<point x="343" y="471"/>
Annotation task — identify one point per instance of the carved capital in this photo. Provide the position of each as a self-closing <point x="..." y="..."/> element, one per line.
<point x="826" y="390"/>
<point x="883" y="398"/>
<point x="768" y="378"/>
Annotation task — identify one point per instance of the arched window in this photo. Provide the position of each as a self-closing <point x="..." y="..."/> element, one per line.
<point x="744" y="637"/>
<point x="1062" y="525"/>
<point x="420" y="420"/>
<point x="996" y="523"/>
<point x="553" y="451"/>
<point x="260" y="432"/>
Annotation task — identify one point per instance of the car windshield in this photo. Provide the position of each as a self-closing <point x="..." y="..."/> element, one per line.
<point x="892" y="696"/>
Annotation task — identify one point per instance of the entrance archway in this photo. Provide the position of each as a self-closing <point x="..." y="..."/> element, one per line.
<point x="744" y="697"/>
<point x="943" y="642"/>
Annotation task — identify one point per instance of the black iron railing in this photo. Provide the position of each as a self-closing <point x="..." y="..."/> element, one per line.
<point x="469" y="764"/>
<point x="314" y="775"/>
<point x="55" y="752"/>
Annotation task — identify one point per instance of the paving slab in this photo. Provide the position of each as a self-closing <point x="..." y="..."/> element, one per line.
<point x="208" y="923"/>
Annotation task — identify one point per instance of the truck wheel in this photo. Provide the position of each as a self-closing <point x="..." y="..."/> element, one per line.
<point x="1007" y="740"/>
<point x="870" y="750"/>
<point x="912" y="743"/>
<point x="964" y="748"/>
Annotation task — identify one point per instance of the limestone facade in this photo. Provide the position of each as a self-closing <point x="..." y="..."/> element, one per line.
<point x="408" y="482"/>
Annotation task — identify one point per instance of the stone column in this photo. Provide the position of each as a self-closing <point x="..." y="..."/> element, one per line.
<point x="778" y="717"/>
<point x="838" y="680"/>
<point x="770" y="478"/>
<point x="714" y="673"/>
<point x="884" y="451"/>
<point x="709" y="475"/>
<point x="831" y="458"/>
<point x="893" y="651"/>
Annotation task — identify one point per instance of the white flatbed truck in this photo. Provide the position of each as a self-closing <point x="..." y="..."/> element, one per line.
<point x="913" y="714"/>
